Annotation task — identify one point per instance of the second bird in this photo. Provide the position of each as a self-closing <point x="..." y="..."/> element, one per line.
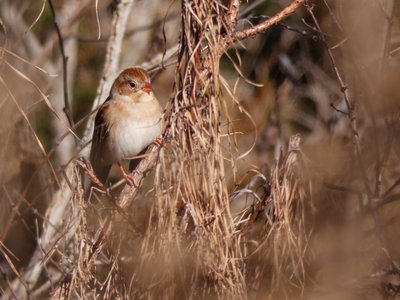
<point x="126" y="123"/>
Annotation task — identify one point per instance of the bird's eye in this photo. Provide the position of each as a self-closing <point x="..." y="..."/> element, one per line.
<point x="132" y="84"/>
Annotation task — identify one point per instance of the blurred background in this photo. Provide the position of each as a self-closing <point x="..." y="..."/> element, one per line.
<point x="351" y="249"/>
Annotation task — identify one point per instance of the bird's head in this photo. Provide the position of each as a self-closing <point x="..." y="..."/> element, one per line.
<point x="133" y="84"/>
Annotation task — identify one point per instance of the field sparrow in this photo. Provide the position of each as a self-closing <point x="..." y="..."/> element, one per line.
<point x="126" y="123"/>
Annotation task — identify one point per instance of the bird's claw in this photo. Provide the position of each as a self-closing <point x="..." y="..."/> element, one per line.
<point x="158" y="142"/>
<point x="131" y="180"/>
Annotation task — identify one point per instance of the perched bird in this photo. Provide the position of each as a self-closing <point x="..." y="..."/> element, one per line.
<point x="126" y="123"/>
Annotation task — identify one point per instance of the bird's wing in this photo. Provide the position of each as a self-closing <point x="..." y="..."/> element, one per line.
<point x="100" y="135"/>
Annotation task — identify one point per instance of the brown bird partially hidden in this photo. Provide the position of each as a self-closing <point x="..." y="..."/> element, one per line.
<point x="126" y="123"/>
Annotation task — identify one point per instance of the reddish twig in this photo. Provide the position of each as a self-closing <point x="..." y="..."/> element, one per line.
<point x="263" y="26"/>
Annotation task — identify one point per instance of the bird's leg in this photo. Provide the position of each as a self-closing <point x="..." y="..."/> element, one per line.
<point x="128" y="177"/>
<point x="88" y="169"/>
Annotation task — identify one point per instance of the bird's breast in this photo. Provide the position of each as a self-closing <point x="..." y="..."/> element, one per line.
<point x="132" y="128"/>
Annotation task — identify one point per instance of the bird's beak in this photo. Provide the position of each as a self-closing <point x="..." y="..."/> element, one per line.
<point x="147" y="88"/>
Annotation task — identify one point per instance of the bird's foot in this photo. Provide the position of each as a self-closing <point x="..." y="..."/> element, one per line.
<point x="158" y="142"/>
<point x="128" y="177"/>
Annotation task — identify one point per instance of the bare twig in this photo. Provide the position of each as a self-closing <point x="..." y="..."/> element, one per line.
<point x="339" y="110"/>
<point x="288" y="27"/>
<point x="67" y="106"/>
<point x="128" y="193"/>
<point x="343" y="87"/>
<point x="232" y="15"/>
<point x="391" y="188"/>
<point x="65" y="29"/>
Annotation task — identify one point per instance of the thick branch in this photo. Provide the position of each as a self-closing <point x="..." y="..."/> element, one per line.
<point x="145" y="165"/>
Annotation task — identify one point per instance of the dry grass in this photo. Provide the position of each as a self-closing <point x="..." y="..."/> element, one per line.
<point x="278" y="177"/>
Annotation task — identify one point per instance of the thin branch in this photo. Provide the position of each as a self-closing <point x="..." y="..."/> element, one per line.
<point x="339" y="110"/>
<point x="145" y="165"/>
<point x="67" y="107"/>
<point x="392" y="187"/>
<point x="263" y="26"/>
<point x="389" y="199"/>
<point x="288" y="27"/>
